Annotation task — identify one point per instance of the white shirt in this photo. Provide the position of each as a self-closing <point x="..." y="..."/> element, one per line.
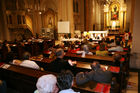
<point x="117" y="48"/>
<point x="68" y="91"/>
<point x="30" y="64"/>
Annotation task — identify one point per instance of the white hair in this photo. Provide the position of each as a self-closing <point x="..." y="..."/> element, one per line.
<point x="46" y="83"/>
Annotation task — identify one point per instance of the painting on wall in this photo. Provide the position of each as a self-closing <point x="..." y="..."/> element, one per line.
<point x="114" y="15"/>
<point x="114" y="12"/>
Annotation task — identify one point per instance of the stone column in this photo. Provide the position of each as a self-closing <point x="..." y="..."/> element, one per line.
<point x="63" y="10"/>
<point x="37" y="25"/>
<point x="5" y="31"/>
<point x="70" y="16"/>
<point x="65" y="13"/>
<point x="87" y="15"/>
<point x="1" y="19"/>
<point x="135" y="26"/>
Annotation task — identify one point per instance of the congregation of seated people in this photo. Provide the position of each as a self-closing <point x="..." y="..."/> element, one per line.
<point x="64" y="81"/>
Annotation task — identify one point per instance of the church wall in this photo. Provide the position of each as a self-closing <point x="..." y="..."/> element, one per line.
<point x="91" y="14"/>
<point x="135" y="58"/>
<point x="80" y="17"/>
<point x="136" y="28"/>
<point x="128" y="16"/>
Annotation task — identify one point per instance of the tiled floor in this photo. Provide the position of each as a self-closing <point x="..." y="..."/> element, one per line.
<point x="132" y="86"/>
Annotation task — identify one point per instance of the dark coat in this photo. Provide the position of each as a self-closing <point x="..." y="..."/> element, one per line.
<point x="58" y="65"/>
<point x="99" y="76"/>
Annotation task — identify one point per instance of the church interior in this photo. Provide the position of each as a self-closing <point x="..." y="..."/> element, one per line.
<point x="57" y="35"/>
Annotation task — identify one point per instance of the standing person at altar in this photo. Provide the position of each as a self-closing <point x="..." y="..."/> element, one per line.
<point x="126" y="38"/>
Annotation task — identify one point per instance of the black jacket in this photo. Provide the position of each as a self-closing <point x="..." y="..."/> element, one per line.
<point x="58" y="65"/>
<point x="97" y="75"/>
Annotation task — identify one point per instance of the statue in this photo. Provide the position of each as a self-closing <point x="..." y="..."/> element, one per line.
<point x="50" y="22"/>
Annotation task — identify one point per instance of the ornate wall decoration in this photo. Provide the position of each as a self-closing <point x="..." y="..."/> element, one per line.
<point x="115" y="12"/>
<point x="49" y="18"/>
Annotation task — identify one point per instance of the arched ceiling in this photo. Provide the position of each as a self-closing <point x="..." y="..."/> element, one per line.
<point x="44" y="4"/>
<point x="52" y="4"/>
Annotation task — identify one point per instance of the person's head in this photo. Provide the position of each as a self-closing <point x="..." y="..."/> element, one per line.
<point x="107" y="40"/>
<point x="112" y="40"/>
<point x="65" y="80"/>
<point x="90" y="40"/>
<point x="47" y="84"/>
<point x="95" y="65"/>
<point x="26" y="56"/>
<point x="59" y="53"/>
<point x="99" y="42"/>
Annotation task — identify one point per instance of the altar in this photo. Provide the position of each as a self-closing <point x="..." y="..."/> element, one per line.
<point x="96" y="35"/>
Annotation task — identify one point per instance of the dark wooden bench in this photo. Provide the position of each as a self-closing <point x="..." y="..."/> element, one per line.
<point x="85" y="66"/>
<point x="24" y="79"/>
<point x="90" y="58"/>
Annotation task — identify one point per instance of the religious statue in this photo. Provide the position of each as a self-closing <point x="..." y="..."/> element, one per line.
<point x="50" y="22"/>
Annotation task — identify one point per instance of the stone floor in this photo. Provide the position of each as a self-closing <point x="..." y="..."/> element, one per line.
<point x="132" y="86"/>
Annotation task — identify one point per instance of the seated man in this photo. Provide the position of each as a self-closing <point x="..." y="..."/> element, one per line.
<point x="117" y="48"/>
<point x="65" y="81"/>
<point x="59" y="63"/>
<point x="97" y="74"/>
<point x="26" y="62"/>
<point x="102" y="51"/>
<point x="47" y="84"/>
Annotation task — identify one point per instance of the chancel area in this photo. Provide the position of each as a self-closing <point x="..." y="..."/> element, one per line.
<point x="69" y="46"/>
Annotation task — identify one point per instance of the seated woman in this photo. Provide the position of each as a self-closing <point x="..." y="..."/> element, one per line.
<point x="98" y="74"/>
<point x="102" y="51"/>
<point x="65" y="82"/>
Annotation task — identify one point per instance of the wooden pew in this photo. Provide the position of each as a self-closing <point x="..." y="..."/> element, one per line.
<point x="90" y="58"/>
<point x="80" y="65"/>
<point x="111" y="53"/>
<point x="24" y="79"/>
<point x="85" y="66"/>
